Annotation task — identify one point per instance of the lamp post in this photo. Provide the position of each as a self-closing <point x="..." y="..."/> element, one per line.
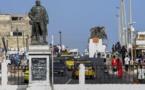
<point x="131" y="31"/>
<point x="119" y="32"/>
<point x="52" y="61"/>
<point x="60" y="38"/>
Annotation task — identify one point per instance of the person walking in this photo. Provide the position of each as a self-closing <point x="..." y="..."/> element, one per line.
<point x="127" y="62"/>
<point x="106" y="69"/>
<point x="119" y="68"/>
<point x="114" y="65"/>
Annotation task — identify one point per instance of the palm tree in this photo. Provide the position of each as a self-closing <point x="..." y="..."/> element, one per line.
<point x="98" y="32"/>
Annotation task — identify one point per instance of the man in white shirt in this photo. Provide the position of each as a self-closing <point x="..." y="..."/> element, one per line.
<point x="127" y="62"/>
<point x="59" y="47"/>
<point x="141" y="73"/>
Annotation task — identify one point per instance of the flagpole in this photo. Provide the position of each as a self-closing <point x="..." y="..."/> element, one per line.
<point x="52" y="60"/>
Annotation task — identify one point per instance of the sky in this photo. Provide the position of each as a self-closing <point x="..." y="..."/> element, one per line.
<point x="75" y="18"/>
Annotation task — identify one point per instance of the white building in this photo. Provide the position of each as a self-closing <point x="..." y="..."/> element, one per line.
<point x="93" y="47"/>
<point x="140" y="43"/>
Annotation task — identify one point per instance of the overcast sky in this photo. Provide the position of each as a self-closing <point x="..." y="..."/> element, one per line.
<point x="75" y="18"/>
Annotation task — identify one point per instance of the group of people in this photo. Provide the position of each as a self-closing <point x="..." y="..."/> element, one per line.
<point x="15" y="58"/>
<point x="57" y="49"/>
<point x="116" y="66"/>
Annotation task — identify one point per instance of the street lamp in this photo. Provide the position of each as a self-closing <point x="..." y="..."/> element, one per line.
<point x="119" y="30"/>
<point x="52" y="41"/>
<point x="60" y="38"/>
<point x="131" y="30"/>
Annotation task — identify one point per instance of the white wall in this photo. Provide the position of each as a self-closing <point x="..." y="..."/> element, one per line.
<point x="96" y="46"/>
<point x="84" y="87"/>
<point x="100" y="87"/>
<point x="140" y="42"/>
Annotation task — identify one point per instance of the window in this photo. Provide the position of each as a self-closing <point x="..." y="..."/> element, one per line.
<point x="14" y="18"/>
<point x="17" y="18"/>
<point x="15" y="33"/>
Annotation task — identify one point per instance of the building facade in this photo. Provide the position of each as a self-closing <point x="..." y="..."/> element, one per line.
<point x="16" y="31"/>
<point x="140" y="44"/>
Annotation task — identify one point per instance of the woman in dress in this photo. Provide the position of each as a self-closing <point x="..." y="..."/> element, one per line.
<point x="119" y="67"/>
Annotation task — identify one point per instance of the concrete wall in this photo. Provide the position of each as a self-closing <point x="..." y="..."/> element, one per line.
<point x="100" y="87"/>
<point x="83" y="87"/>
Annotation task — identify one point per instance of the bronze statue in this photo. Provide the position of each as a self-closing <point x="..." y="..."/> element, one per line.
<point x="39" y="20"/>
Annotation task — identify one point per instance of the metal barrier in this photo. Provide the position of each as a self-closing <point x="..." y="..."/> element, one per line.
<point x="0" y="75"/>
<point x="95" y="75"/>
<point x="16" y="75"/>
<point x="101" y="77"/>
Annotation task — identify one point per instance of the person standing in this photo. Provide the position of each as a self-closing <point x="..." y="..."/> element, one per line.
<point x="113" y="48"/>
<point x="59" y="48"/>
<point x="141" y="73"/>
<point x="119" y="68"/>
<point x="127" y="62"/>
<point x="106" y="69"/>
<point x="114" y="65"/>
<point x="123" y="52"/>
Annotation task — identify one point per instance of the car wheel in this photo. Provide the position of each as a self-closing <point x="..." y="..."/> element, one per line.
<point x="73" y="76"/>
<point x="92" y="77"/>
<point x="25" y="81"/>
<point x="62" y="73"/>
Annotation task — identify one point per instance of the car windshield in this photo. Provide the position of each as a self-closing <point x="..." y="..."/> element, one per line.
<point x="58" y="61"/>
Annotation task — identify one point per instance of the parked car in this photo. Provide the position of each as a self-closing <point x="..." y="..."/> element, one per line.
<point x="89" y="69"/>
<point x="59" y="66"/>
<point x="70" y="63"/>
<point x="26" y="76"/>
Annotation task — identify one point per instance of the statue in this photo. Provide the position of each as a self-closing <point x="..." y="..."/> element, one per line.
<point x="39" y="20"/>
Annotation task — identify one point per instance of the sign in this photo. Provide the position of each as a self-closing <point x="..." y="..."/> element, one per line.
<point x="39" y="69"/>
<point x="95" y="40"/>
<point x="143" y="50"/>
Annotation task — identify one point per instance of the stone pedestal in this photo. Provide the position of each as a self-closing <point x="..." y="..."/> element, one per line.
<point x="39" y="67"/>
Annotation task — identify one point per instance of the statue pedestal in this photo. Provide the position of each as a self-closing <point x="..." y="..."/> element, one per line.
<point x="39" y="67"/>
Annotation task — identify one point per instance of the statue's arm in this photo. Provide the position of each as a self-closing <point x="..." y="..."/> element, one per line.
<point x="46" y="15"/>
<point x="30" y="14"/>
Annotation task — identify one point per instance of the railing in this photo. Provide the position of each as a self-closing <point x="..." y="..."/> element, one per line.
<point x="0" y="74"/>
<point x="16" y="75"/>
<point x="95" y="75"/>
<point x="129" y="77"/>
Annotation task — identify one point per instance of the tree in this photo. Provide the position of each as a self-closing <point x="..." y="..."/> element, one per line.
<point x="98" y="32"/>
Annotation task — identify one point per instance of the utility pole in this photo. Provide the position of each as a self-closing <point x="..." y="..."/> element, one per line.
<point x="52" y="41"/>
<point x="125" y="26"/>
<point x="119" y="30"/>
<point x="125" y="31"/>
<point x="122" y="22"/>
<point x="131" y="31"/>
